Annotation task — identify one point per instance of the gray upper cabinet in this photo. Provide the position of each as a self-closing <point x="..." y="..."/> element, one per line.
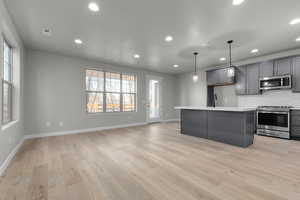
<point x="220" y="77"/>
<point x="283" y="66"/>
<point x="240" y="86"/>
<point x="253" y="79"/>
<point x="296" y="74"/>
<point x="267" y="69"/>
<point x="247" y="77"/>
<point x="212" y="77"/>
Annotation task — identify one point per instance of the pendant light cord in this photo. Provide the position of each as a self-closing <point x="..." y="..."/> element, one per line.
<point x="230" y="53"/>
<point x="196" y="53"/>
<point x="230" y="42"/>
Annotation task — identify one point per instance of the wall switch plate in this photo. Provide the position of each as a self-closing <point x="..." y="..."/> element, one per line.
<point x="61" y="124"/>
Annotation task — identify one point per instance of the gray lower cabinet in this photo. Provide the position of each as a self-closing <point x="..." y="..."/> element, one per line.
<point x="283" y="66"/>
<point x="194" y="123"/>
<point x="235" y="128"/>
<point x="296" y="74"/>
<point x="253" y="79"/>
<point x="240" y="85"/>
<point x="266" y="69"/>
<point x="295" y="124"/>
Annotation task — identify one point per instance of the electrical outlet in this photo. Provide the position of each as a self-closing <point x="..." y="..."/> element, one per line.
<point x="61" y="124"/>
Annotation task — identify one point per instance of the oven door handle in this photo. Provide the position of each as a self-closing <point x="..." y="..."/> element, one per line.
<point x="272" y="112"/>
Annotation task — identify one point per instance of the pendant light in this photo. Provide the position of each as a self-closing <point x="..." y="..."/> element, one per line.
<point x="230" y="43"/>
<point x="195" y="76"/>
<point x="231" y="70"/>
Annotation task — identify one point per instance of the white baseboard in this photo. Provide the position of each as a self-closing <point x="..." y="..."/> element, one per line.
<point x="30" y="136"/>
<point x="10" y="157"/>
<point x="171" y="120"/>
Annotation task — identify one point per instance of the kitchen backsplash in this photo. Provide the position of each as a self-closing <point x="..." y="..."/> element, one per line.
<point x="271" y="98"/>
<point x="226" y="97"/>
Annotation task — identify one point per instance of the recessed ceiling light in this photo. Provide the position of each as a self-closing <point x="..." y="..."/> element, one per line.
<point x="222" y="59"/>
<point x="254" y="50"/>
<point x="295" y="21"/>
<point x="93" y="7"/>
<point x="47" y="32"/>
<point x="237" y="2"/>
<point x="298" y="39"/>
<point x="78" y="41"/>
<point x="204" y="44"/>
<point x="136" y="56"/>
<point x="175" y="65"/>
<point x="168" y="38"/>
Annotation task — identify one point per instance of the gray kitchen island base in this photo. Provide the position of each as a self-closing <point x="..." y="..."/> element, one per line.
<point x="235" y="128"/>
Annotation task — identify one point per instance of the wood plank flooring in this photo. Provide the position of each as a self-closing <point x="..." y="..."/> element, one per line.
<point x="153" y="162"/>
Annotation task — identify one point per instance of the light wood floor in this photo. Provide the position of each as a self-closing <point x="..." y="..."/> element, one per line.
<point x="151" y="162"/>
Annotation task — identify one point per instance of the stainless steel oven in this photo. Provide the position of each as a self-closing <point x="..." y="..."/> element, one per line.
<point x="273" y="121"/>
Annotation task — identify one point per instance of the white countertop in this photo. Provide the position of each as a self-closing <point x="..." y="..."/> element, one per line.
<point x="229" y="109"/>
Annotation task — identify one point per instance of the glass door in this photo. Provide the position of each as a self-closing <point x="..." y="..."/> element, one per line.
<point x="153" y="99"/>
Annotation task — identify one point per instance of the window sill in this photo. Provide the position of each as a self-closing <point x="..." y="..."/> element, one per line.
<point x="112" y="113"/>
<point x="8" y="125"/>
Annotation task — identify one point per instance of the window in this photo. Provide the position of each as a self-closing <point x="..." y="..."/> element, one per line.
<point x="110" y="91"/>
<point x="128" y="92"/>
<point x="7" y="85"/>
<point x="113" y="92"/>
<point x="95" y="90"/>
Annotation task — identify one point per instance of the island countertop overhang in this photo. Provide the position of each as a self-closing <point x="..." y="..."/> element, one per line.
<point x="226" y="109"/>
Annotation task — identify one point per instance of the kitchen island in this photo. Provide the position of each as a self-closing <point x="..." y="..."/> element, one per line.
<point x="230" y="125"/>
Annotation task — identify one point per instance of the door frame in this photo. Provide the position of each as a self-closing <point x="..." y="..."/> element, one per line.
<point x="147" y="103"/>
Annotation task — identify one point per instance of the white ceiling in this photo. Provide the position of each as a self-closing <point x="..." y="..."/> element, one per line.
<point x="125" y="27"/>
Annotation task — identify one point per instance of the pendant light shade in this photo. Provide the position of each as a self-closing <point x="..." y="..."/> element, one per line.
<point x="195" y="75"/>
<point x="195" y="78"/>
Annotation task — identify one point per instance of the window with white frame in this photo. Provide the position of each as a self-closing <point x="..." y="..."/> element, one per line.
<point x="110" y="91"/>
<point x="7" y="83"/>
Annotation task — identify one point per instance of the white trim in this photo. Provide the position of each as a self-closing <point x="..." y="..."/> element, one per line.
<point x="82" y="130"/>
<point x="10" y="157"/>
<point x="160" y="90"/>
<point x="8" y="125"/>
<point x="171" y="120"/>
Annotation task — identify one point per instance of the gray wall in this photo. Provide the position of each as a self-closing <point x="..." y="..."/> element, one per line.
<point x="55" y="92"/>
<point x="11" y="135"/>
<point x="190" y="93"/>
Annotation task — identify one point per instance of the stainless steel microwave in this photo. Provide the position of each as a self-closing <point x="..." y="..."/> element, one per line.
<point x="275" y="82"/>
